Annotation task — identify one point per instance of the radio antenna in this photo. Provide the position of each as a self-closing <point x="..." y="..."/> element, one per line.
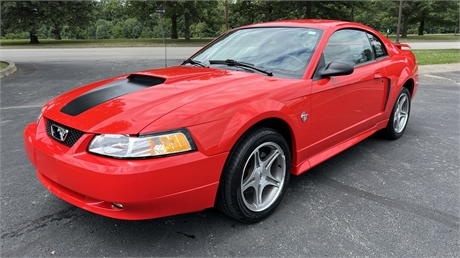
<point x="162" y="11"/>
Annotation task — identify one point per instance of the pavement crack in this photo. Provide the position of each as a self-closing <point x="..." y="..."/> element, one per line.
<point x="432" y="214"/>
<point x="40" y="223"/>
<point x="187" y="235"/>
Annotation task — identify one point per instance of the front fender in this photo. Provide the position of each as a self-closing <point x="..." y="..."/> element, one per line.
<point x="251" y="114"/>
<point x="405" y="76"/>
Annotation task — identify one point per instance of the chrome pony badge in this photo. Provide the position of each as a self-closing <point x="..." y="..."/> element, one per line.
<point x="304" y="116"/>
<point x="59" y="133"/>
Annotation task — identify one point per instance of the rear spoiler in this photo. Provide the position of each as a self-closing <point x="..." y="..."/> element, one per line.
<point x="401" y="45"/>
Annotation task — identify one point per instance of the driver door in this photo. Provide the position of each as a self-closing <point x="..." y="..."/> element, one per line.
<point x="345" y="106"/>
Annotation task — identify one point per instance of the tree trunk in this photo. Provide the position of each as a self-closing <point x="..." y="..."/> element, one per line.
<point x="352" y="13"/>
<point x="33" y="38"/>
<point x="57" y="33"/>
<point x="174" y="34"/>
<point x="405" y="27"/>
<point x="421" y="28"/>
<point x="308" y="11"/>
<point x="187" y="26"/>
<point x="226" y="17"/>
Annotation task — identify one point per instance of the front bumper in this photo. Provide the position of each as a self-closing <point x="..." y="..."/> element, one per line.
<point x="146" y="188"/>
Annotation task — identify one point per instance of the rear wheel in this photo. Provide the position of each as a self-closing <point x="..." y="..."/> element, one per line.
<point x="399" y="116"/>
<point x="255" y="176"/>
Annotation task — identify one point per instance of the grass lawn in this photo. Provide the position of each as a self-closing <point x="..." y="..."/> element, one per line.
<point x="437" y="56"/>
<point x="427" y="37"/>
<point x="3" y="65"/>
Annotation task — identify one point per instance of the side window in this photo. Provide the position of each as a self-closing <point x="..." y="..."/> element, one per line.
<point x="377" y="46"/>
<point x="350" y="46"/>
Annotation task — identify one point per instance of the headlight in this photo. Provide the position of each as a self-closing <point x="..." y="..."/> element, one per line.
<point x="125" y="146"/>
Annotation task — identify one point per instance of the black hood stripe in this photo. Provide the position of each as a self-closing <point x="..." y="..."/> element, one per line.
<point x="110" y="91"/>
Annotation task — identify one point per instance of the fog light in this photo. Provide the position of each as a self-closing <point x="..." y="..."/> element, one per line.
<point x="117" y="205"/>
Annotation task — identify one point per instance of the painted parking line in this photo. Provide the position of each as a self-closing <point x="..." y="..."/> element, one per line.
<point x="19" y="107"/>
<point x="441" y="78"/>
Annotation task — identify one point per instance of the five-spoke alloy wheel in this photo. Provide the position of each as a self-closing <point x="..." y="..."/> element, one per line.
<point x="399" y="116"/>
<point x="263" y="176"/>
<point x="255" y="175"/>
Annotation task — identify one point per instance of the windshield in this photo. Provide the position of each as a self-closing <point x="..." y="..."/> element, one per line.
<point x="285" y="51"/>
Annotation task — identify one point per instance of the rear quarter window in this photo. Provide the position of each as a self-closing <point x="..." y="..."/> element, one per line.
<point x="377" y="46"/>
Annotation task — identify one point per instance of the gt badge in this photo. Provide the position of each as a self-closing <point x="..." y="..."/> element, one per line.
<point x="59" y="133"/>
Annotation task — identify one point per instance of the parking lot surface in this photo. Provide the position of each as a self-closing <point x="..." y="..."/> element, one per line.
<point x="378" y="198"/>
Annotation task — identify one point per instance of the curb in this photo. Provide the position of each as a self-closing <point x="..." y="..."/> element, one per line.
<point x="11" y="68"/>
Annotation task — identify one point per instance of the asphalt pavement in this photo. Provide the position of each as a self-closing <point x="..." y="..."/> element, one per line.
<point x="379" y="198"/>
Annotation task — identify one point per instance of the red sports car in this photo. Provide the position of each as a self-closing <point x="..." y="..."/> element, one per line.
<point x="228" y="126"/>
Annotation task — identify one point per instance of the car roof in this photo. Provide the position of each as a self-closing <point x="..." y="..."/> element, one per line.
<point x="311" y="23"/>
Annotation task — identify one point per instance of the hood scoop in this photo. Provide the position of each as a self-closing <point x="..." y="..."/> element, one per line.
<point x="90" y="99"/>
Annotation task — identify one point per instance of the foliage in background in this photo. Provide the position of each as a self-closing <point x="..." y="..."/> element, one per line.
<point x="33" y="16"/>
<point x="117" y="19"/>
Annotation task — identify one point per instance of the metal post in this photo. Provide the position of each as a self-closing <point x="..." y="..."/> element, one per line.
<point x="164" y="41"/>
<point x="399" y="20"/>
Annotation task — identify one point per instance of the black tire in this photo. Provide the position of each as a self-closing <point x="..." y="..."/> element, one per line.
<point x="238" y="195"/>
<point x="399" y="116"/>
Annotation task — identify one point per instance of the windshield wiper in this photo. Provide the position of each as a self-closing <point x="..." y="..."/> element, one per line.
<point x="194" y="62"/>
<point x="231" y="62"/>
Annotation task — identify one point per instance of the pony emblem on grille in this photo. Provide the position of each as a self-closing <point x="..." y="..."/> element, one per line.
<point x="59" y="133"/>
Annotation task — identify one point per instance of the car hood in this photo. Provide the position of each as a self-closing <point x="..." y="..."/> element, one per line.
<point x="127" y="104"/>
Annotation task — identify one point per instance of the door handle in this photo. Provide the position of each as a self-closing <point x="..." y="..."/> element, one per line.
<point x="377" y="76"/>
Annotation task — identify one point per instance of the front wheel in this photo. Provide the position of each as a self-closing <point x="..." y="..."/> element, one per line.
<point x="399" y="116"/>
<point x="255" y="176"/>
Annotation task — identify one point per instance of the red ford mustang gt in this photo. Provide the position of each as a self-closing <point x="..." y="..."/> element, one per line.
<point x="228" y="126"/>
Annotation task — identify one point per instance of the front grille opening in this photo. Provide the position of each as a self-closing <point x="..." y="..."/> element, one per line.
<point x="73" y="135"/>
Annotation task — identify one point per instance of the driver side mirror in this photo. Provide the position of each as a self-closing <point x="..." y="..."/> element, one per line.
<point x="336" y="68"/>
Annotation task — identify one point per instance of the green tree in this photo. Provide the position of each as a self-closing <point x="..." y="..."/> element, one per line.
<point x="31" y="16"/>
<point x="200" y="11"/>
<point x="103" y="29"/>
<point x="117" y="32"/>
<point x="376" y="14"/>
<point x="247" y="12"/>
<point x="23" y="16"/>
<point x="70" y="14"/>
<point x="112" y="10"/>
<point x="417" y="13"/>
<point x="181" y="12"/>
<point x="437" y="13"/>
<point x="132" y="28"/>
<point x="146" y="10"/>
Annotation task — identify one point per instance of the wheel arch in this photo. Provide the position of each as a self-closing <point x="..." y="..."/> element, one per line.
<point x="406" y="79"/>
<point x="281" y="127"/>
<point x="410" y="85"/>
<point x="264" y="113"/>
